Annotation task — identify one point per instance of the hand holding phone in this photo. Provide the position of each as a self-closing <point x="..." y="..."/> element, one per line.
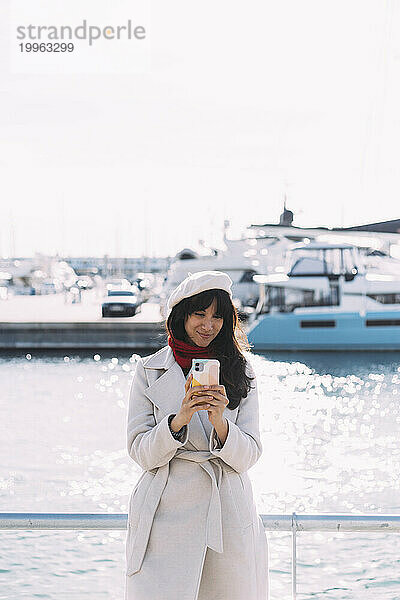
<point x="202" y="372"/>
<point x="205" y="372"/>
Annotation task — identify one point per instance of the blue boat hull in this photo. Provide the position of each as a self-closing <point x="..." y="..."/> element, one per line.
<point x="326" y="331"/>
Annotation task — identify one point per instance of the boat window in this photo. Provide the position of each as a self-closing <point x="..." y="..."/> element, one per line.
<point x="382" y="322"/>
<point x="234" y="275"/>
<point x="386" y="298"/>
<point x="349" y="264"/>
<point x="247" y="276"/>
<point x="308" y="266"/>
<point x="288" y="299"/>
<point x="275" y="297"/>
<point x="120" y="293"/>
<point x="314" y="324"/>
<point x="332" y="258"/>
<point x="328" y="262"/>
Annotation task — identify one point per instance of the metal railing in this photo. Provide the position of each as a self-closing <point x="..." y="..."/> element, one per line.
<point x="293" y="523"/>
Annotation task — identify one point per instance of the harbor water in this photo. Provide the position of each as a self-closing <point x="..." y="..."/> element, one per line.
<point x="331" y="437"/>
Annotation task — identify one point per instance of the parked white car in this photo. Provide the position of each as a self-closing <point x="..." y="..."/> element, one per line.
<point x="121" y="303"/>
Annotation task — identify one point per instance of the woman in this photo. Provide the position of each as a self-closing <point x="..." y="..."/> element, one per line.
<point x="193" y="529"/>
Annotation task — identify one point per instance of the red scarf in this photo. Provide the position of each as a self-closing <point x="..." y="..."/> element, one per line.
<point x="184" y="352"/>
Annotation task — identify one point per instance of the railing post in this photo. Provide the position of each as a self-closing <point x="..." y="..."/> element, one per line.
<point x="294" y="572"/>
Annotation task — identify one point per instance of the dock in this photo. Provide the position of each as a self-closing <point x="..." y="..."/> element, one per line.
<point x="48" y="322"/>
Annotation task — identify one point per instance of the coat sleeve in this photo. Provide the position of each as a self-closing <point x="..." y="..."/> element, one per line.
<point x="242" y="447"/>
<point x="149" y="444"/>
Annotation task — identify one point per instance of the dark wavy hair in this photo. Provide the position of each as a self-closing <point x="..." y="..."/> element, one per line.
<point x="228" y="345"/>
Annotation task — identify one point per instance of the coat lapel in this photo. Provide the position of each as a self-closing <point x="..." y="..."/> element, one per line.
<point x="167" y="391"/>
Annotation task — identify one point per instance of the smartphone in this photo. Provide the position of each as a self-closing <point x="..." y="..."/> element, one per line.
<point x="205" y="371"/>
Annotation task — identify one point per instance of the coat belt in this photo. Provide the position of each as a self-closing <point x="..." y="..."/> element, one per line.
<point x="153" y="497"/>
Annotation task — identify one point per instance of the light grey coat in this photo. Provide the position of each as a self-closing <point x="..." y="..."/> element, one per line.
<point x="193" y="529"/>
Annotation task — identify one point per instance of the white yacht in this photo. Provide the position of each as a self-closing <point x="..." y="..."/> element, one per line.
<point x="327" y="300"/>
<point x="241" y="259"/>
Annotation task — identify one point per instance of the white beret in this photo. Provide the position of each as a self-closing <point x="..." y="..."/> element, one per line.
<point x="199" y="282"/>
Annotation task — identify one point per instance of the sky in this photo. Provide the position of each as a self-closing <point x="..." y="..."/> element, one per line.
<point x="225" y="108"/>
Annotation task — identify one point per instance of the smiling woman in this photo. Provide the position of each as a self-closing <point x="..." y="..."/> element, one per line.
<point x="193" y="528"/>
<point x="208" y="322"/>
<point x="203" y="325"/>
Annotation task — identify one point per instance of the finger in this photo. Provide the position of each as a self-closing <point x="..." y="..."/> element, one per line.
<point x="214" y="402"/>
<point x="218" y="396"/>
<point x="196" y="388"/>
<point x="218" y="404"/>
<point x="200" y="399"/>
<point x="215" y="386"/>
<point x="196" y="391"/>
<point x="201" y="407"/>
